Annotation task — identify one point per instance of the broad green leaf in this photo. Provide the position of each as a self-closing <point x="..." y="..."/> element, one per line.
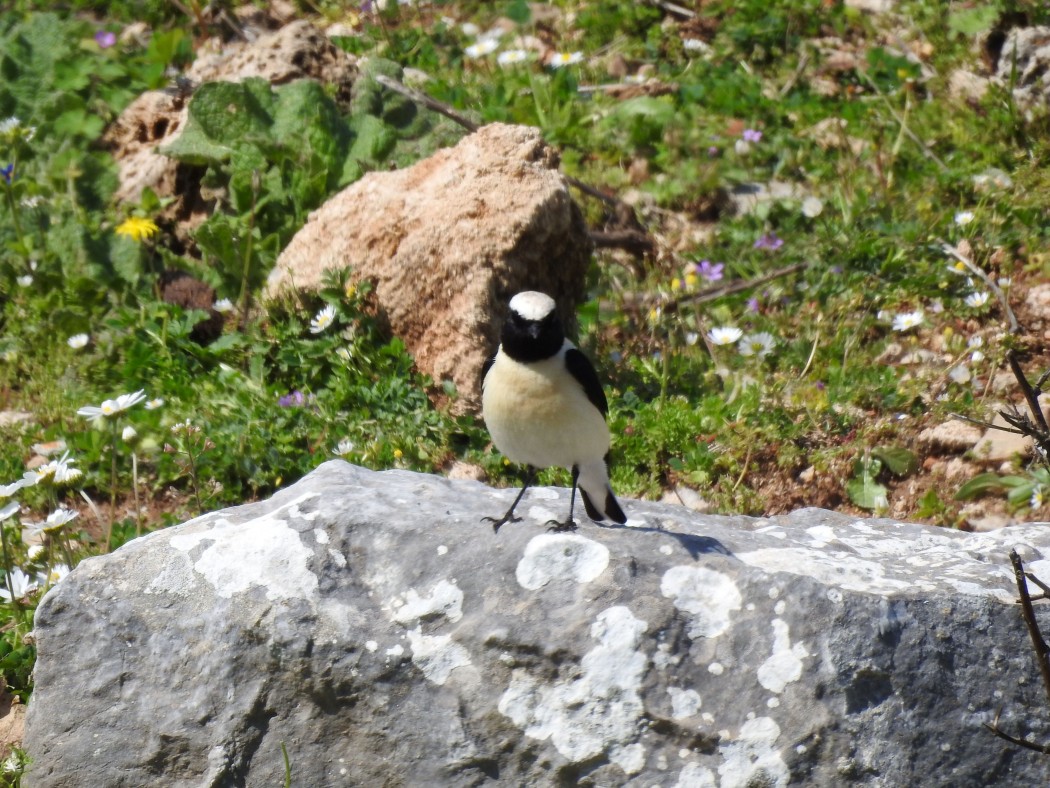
<point x="971" y="21"/>
<point x="866" y="493"/>
<point x="979" y="485"/>
<point x="901" y="462"/>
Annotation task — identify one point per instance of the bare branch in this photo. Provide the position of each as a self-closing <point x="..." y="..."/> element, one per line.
<point x="1042" y="650"/>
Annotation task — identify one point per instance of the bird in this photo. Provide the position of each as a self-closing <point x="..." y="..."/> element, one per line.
<point x="544" y="406"/>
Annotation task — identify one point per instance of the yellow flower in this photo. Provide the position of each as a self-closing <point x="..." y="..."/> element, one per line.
<point x="137" y="229"/>
<point x="691" y="280"/>
<point x="350" y="291"/>
<point x="398" y="454"/>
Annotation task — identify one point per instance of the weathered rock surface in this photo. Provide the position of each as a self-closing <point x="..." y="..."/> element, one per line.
<point x="297" y="51"/>
<point x="1022" y="65"/>
<point x="370" y="623"/>
<point x="447" y="242"/>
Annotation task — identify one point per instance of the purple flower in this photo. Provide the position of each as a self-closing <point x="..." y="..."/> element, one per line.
<point x="820" y="385"/>
<point x="105" y="39"/>
<point x="712" y="272"/>
<point x="8" y="172"/>
<point x="296" y="398"/>
<point x="713" y="151"/>
<point x="752" y="135"/>
<point x="769" y="241"/>
<point x="752" y="304"/>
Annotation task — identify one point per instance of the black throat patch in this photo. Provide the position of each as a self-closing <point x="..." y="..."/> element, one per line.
<point x="532" y="340"/>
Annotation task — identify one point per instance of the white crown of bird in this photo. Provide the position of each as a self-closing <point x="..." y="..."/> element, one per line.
<point x="532" y="305"/>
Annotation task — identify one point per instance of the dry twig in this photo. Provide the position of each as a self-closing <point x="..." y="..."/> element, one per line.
<point x="1042" y="653"/>
<point x="629" y="241"/>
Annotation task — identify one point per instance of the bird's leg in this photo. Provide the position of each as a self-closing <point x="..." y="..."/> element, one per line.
<point x="509" y="517"/>
<point x="570" y="524"/>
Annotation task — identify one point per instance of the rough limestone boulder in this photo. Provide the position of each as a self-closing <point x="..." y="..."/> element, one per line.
<point x="369" y="624"/>
<point x="447" y="242"/>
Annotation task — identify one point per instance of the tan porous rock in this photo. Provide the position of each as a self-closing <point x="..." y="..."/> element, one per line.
<point x="447" y="242"/>
<point x="296" y="51"/>
<point x="952" y="435"/>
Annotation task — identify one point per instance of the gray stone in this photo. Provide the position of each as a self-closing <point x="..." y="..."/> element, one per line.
<point x="372" y="626"/>
<point x="1022" y="65"/>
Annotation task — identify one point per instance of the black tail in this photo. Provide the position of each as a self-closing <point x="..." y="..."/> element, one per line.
<point x="611" y="506"/>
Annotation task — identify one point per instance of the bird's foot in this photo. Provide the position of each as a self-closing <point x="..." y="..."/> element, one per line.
<point x="559" y="527"/>
<point x="507" y="518"/>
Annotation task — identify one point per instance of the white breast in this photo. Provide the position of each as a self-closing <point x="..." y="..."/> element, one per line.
<point x="538" y="414"/>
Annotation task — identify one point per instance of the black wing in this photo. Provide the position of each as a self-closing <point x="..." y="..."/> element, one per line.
<point x="486" y="367"/>
<point x="580" y="367"/>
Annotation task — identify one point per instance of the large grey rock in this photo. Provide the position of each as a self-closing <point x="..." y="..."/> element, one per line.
<point x="371" y="625"/>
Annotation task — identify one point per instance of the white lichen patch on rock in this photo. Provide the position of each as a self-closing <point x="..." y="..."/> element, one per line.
<point x="785" y="665"/>
<point x="436" y="655"/>
<point x="693" y="775"/>
<point x="264" y="552"/>
<point x="752" y="758"/>
<point x="444" y="599"/>
<point x="550" y="557"/>
<point x="600" y="710"/>
<point x="684" y="702"/>
<point x="709" y="597"/>
<point x="176" y="577"/>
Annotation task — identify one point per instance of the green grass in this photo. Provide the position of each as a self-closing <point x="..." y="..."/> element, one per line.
<point x="273" y="399"/>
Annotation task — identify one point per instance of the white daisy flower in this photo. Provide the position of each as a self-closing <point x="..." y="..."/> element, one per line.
<point x="960" y="374"/>
<point x="153" y="404"/>
<point x="559" y="59"/>
<point x="7" y="490"/>
<point x="60" y="471"/>
<point x="908" y="320"/>
<point x="58" y="571"/>
<point x="343" y="448"/>
<point x="482" y="47"/>
<point x="760" y="344"/>
<point x="7" y="125"/>
<point x="963" y="218"/>
<point x="129" y="434"/>
<point x="322" y="320"/>
<point x="470" y="29"/>
<point x="78" y="341"/>
<point x="20" y="582"/>
<point x="223" y="305"/>
<point x="977" y="300"/>
<point x="695" y="45"/>
<point x="25" y="280"/>
<point x="812" y="207"/>
<point x="511" y="56"/>
<point x="9" y="511"/>
<point x="60" y="517"/>
<point x="724" y="335"/>
<point x="1037" y="497"/>
<point x="112" y="407"/>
